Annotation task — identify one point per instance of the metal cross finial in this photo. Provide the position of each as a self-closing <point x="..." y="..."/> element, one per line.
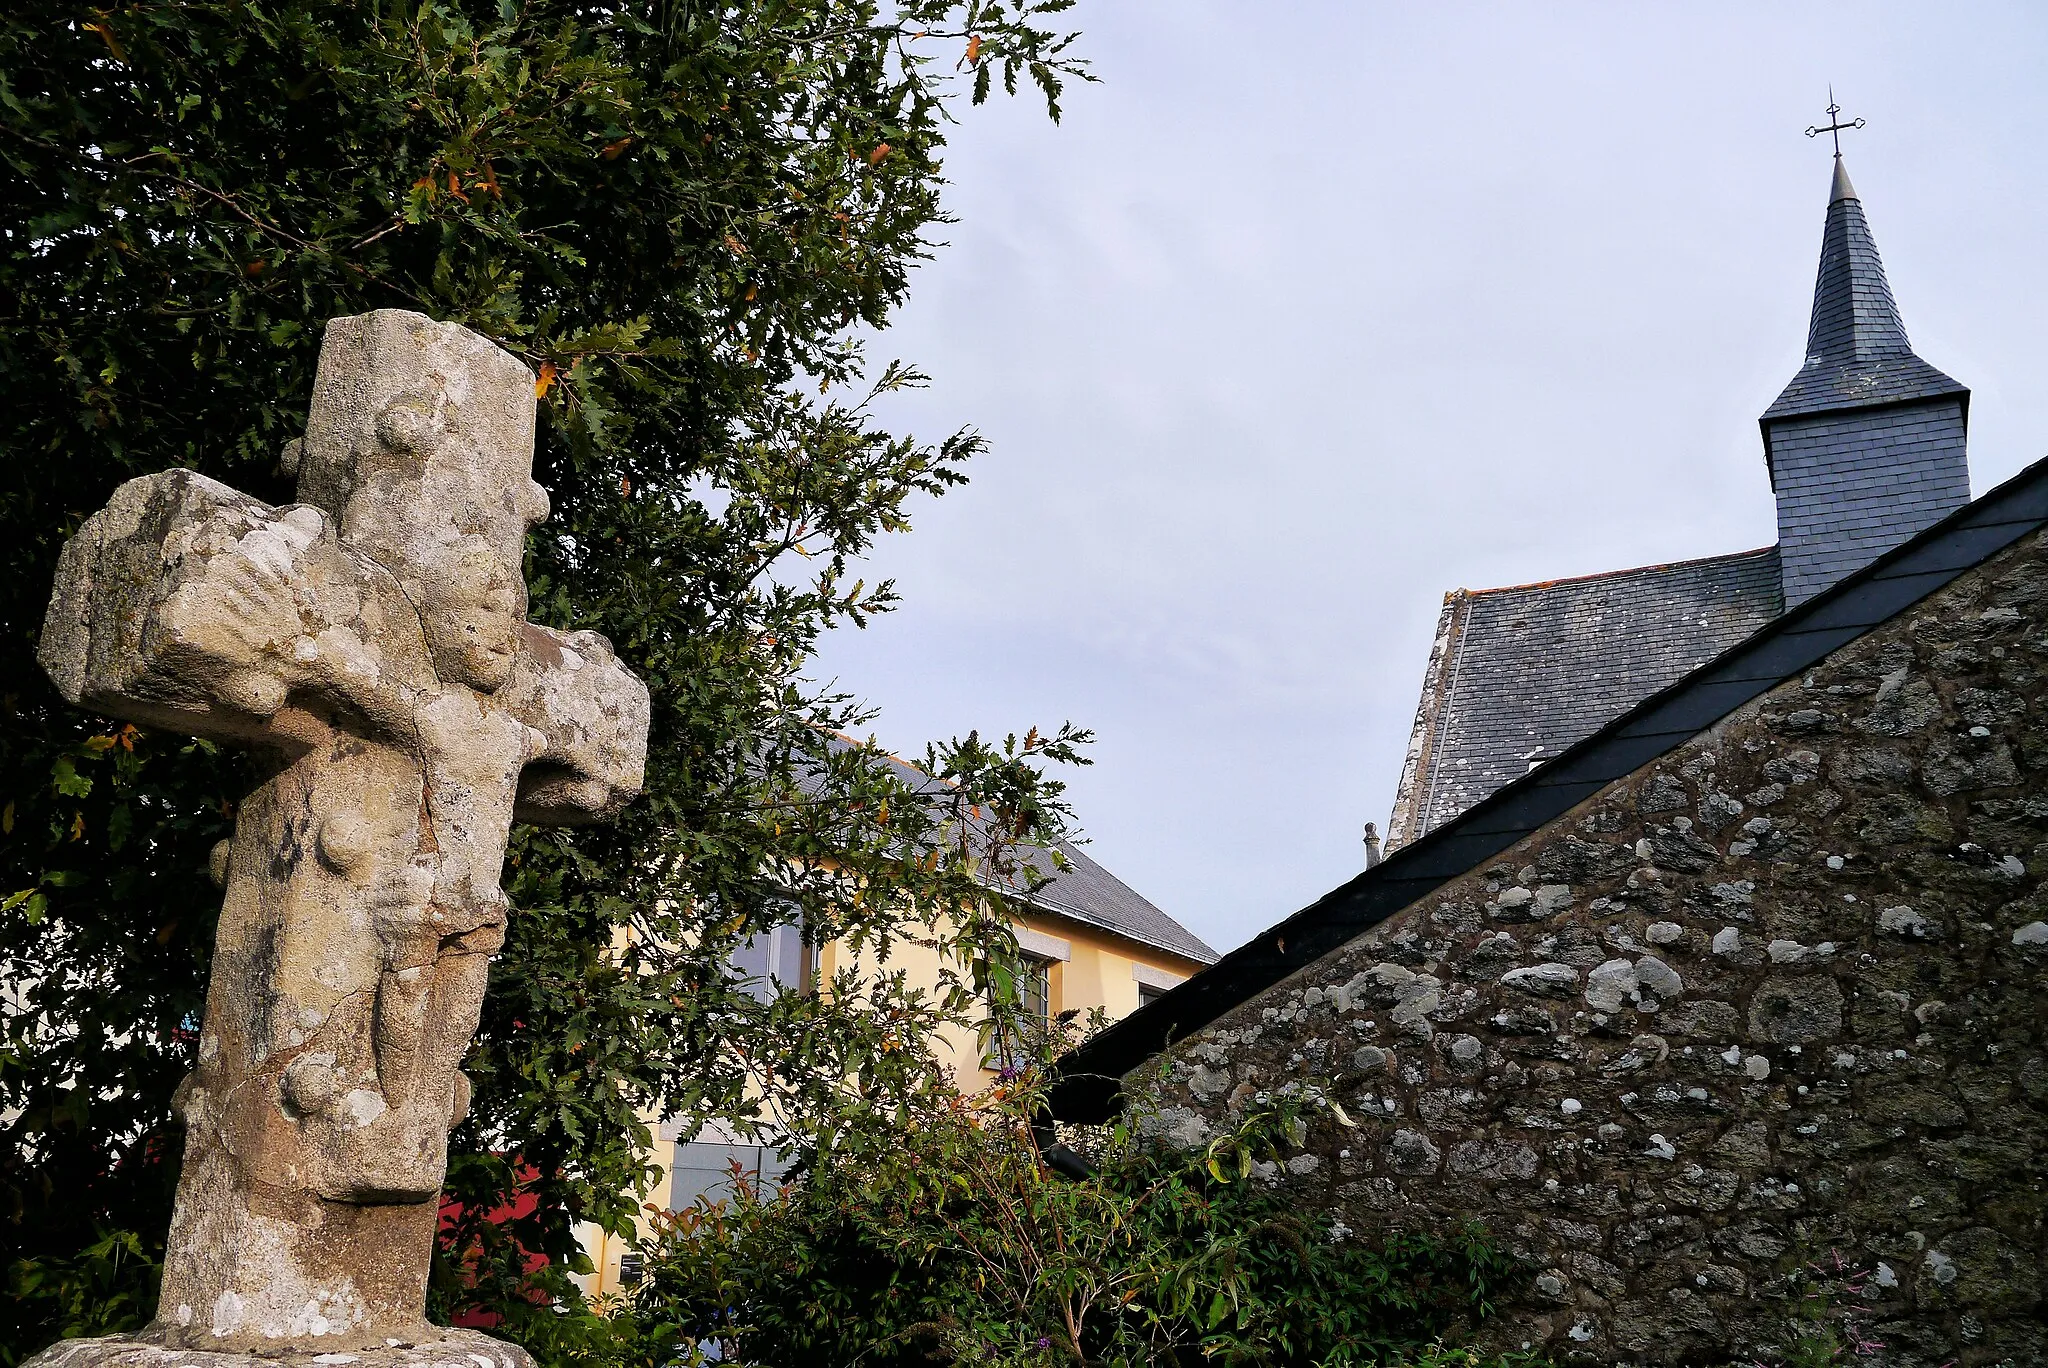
<point x="1834" y="126"/>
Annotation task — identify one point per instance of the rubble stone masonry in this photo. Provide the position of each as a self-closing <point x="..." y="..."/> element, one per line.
<point x="1748" y="1046"/>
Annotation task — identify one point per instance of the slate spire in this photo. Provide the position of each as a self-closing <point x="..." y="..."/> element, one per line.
<point x="1856" y="348"/>
<point x="1866" y="445"/>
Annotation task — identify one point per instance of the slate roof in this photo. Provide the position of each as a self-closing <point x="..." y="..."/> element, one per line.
<point x="1084" y="891"/>
<point x="1526" y="671"/>
<point x="1857" y="354"/>
<point x="1866" y="448"/>
<point x="1090" y="1077"/>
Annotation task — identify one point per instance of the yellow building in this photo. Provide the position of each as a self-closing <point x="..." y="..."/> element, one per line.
<point x="1089" y="940"/>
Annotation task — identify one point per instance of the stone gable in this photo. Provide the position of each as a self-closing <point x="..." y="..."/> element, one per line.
<point x="1758" y="1027"/>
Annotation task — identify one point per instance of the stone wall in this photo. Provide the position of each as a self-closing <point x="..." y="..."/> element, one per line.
<point x="1748" y="1044"/>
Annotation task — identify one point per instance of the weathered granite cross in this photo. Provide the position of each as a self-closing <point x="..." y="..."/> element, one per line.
<point x="369" y="645"/>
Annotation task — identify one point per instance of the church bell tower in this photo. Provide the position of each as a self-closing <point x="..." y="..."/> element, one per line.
<point x="1866" y="445"/>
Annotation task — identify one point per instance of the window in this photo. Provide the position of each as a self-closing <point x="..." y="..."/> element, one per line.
<point x="704" y="1168"/>
<point x="1155" y="983"/>
<point x="775" y="960"/>
<point x="1034" y="989"/>
<point x="1033" y="983"/>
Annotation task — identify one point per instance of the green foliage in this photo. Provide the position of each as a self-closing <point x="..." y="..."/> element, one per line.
<point x="1829" y="1315"/>
<point x="955" y="1242"/>
<point x="102" y="1288"/>
<point x="682" y="215"/>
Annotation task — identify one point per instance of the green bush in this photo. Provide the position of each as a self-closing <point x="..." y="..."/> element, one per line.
<point x="959" y="1244"/>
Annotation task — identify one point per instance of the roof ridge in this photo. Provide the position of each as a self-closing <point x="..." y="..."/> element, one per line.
<point x="1612" y="574"/>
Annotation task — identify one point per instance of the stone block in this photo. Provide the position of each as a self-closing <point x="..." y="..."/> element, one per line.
<point x="1796" y="1011"/>
<point x="1412" y="1153"/>
<point x="1499" y="1160"/>
<point x="1745" y="1146"/>
<point x="1543" y="980"/>
<point x="1706" y="1019"/>
<point x="438" y="1348"/>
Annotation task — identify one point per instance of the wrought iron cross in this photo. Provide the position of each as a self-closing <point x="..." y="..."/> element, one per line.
<point x="1834" y="126"/>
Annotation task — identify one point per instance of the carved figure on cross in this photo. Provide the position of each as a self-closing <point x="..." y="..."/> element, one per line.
<point x="369" y="647"/>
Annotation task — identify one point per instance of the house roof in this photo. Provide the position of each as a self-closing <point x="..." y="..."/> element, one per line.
<point x="1090" y="1077"/>
<point x="1084" y="891"/>
<point x="1524" y="672"/>
<point x="1857" y="355"/>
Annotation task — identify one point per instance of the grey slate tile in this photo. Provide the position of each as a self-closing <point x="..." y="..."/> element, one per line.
<point x="1084" y="890"/>
<point x="1538" y="667"/>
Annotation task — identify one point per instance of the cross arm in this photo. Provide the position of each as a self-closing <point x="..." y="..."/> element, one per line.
<point x="572" y="689"/>
<point x="188" y="605"/>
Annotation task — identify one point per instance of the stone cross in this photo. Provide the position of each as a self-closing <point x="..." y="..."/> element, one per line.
<point x="369" y="647"/>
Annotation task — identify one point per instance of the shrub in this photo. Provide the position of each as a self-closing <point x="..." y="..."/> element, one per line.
<point x="960" y="1243"/>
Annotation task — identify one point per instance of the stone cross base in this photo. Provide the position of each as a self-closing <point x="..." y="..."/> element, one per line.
<point x="454" y="1349"/>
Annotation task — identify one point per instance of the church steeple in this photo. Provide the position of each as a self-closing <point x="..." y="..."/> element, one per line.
<point x="1857" y="354"/>
<point x="1866" y="445"/>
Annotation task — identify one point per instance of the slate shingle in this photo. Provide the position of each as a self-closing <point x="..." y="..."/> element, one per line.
<point x="1532" y="669"/>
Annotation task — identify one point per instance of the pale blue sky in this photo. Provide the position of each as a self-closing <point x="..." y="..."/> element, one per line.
<point x="1310" y="312"/>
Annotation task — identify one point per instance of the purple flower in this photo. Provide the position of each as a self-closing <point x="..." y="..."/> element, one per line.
<point x="1044" y="1342"/>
